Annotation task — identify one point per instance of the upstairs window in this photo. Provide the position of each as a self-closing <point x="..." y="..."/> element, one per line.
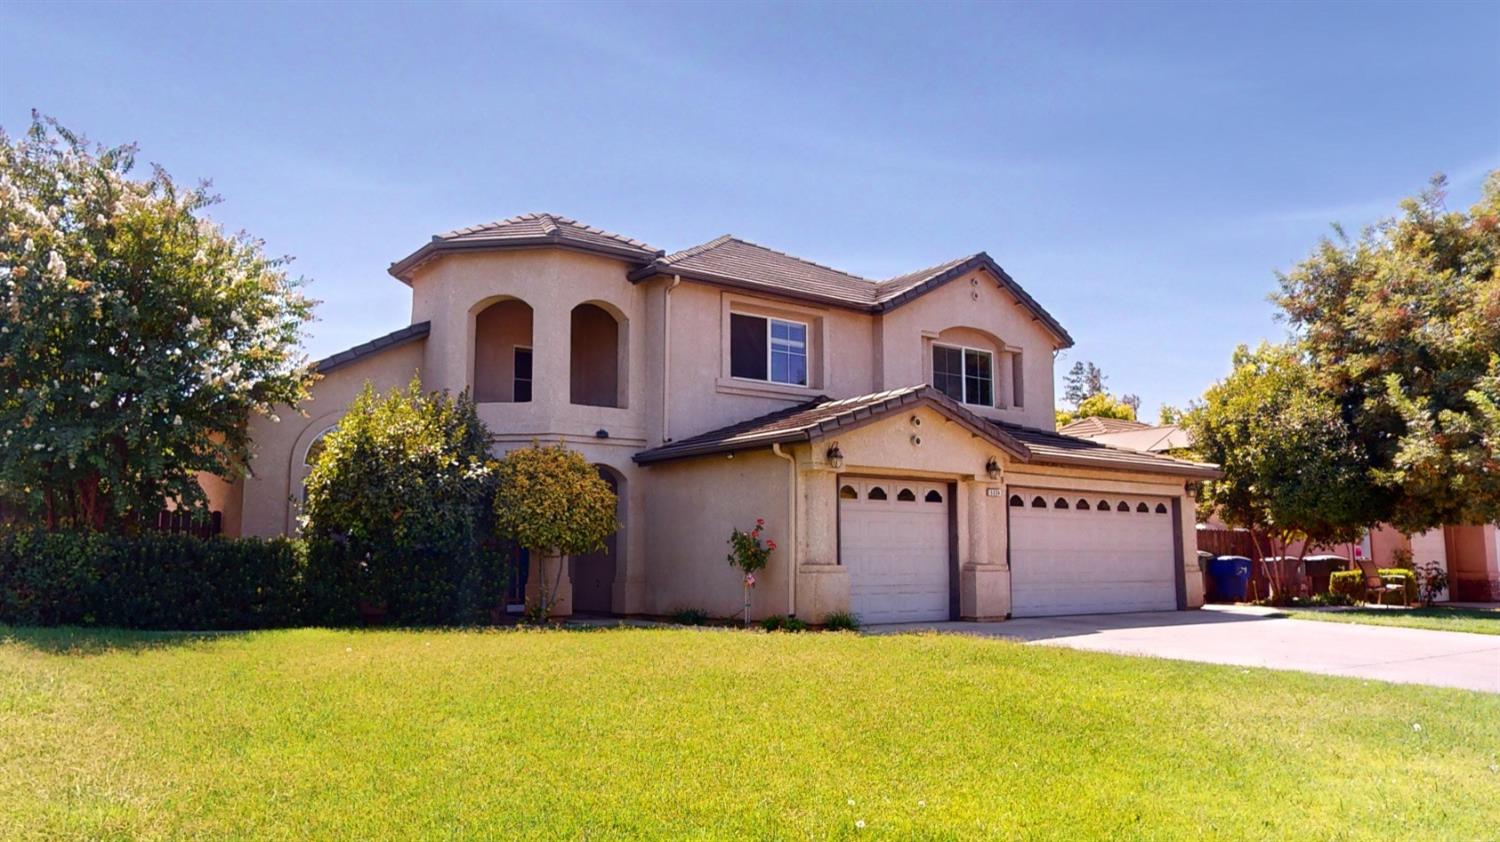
<point x="522" y="379"/>
<point x="774" y="350"/>
<point x="966" y="375"/>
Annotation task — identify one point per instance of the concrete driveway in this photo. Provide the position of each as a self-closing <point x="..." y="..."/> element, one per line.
<point x="1249" y="637"/>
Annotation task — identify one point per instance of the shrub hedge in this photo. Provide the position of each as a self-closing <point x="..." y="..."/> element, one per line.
<point x="1351" y="583"/>
<point x="161" y="581"/>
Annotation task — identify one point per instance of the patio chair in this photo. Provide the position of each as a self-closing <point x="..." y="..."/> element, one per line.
<point x="1377" y="585"/>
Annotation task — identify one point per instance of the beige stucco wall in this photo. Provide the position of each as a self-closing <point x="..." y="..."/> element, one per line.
<point x="452" y="291"/>
<point x="694" y="505"/>
<point x="976" y="302"/>
<point x="279" y="446"/>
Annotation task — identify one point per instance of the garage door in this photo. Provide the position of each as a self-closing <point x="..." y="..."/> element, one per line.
<point x="893" y="539"/>
<point x="1082" y="553"/>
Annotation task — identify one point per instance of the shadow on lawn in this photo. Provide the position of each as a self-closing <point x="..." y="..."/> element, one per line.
<point x="75" y="640"/>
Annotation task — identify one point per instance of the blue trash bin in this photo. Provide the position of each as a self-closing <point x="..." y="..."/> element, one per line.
<point x="1231" y="575"/>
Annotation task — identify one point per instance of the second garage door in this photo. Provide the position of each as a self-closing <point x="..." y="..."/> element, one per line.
<point x="893" y="539"/>
<point x="1081" y="553"/>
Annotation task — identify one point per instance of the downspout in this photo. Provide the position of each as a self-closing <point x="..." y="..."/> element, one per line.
<point x="666" y="358"/>
<point x="791" y="518"/>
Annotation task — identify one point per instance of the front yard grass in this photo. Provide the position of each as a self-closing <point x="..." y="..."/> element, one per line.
<point x="713" y="734"/>
<point x="1472" y="620"/>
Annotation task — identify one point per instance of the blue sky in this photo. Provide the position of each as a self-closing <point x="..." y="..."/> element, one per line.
<point x="1142" y="169"/>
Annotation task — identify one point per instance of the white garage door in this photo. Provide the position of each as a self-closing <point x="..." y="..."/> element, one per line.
<point x="1086" y="553"/>
<point x="893" y="539"/>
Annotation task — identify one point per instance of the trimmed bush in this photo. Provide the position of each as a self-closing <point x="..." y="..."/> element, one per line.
<point x="151" y="581"/>
<point x="1351" y="583"/>
<point x="397" y="514"/>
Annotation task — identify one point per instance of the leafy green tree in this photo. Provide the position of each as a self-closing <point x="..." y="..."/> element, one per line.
<point x="1402" y="326"/>
<point x="397" y="502"/>
<point x="1101" y="405"/>
<point x="1169" y="414"/>
<point x="136" y="337"/>
<point x="551" y="501"/>
<point x="1292" y="473"/>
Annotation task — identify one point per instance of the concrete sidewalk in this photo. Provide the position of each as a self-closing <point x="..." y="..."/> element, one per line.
<point x="1255" y="638"/>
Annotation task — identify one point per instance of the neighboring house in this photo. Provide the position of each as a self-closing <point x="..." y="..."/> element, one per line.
<point x="1470" y="554"/>
<point x="896" y="435"/>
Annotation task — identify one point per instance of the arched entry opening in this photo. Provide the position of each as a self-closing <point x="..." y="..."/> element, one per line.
<point x="595" y="376"/>
<point x="593" y="575"/>
<point x="502" y="352"/>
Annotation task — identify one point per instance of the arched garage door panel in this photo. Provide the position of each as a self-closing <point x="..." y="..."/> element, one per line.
<point x="1085" y="553"/>
<point x="893" y="540"/>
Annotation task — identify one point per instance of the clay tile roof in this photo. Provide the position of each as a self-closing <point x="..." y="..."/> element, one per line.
<point x="1090" y="427"/>
<point x="744" y="263"/>
<point x="822" y="416"/>
<point x="528" y="230"/>
<point x="1057" y="449"/>
<point x="738" y="263"/>
<point x="410" y="333"/>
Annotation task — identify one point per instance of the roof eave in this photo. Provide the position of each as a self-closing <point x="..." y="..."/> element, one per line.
<point x="1184" y="469"/>
<point x="403" y="268"/>
<point x="980" y="260"/>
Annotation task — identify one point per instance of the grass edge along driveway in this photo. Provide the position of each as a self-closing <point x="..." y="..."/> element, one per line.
<point x="713" y="734"/>
<point x="1436" y="618"/>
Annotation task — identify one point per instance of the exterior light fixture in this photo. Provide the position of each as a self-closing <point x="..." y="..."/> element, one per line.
<point x="835" y="457"/>
<point x="992" y="468"/>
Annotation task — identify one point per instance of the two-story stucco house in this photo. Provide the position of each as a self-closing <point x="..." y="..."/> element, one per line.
<point x="897" y="436"/>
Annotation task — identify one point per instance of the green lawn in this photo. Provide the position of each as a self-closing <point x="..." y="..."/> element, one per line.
<point x="1474" y="620"/>
<point x="713" y="734"/>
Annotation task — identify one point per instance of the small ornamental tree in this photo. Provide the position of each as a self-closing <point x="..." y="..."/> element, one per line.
<point x="748" y="554"/>
<point x="397" y="504"/>
<point x="552" y="502"/>
<point x="136" y="337"/>
<point x="1291" y="471"/>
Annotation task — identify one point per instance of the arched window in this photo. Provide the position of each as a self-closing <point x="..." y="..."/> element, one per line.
<point x="502" y="353"/>
<point x="1015" y="500"/>
<point x="934" y="497"/>
<point x="1060" y="504"/>
<point x="906" y="495"/>
<point x="1083" y="504"/>
<point x="1038" y="503"/>
<point x="596" y="376"/>
<point x="1103" y="505"/>
<point x="316" y="448"/>
<point x="1141" y="507"/>
<point x="1161" y="508"/>
<point x="876" y="493"/>
<point x="1122" y="506"/>
<point x="848" y="493"/>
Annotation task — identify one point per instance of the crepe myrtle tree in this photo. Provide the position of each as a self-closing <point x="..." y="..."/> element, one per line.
<point x="136" y="336"/>
<point x="1292" y="473"/>
<point x="550" y="501"/>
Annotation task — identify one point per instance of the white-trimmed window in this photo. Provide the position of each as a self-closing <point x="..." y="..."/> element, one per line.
<point x="966" y="375"/>
<point x="767" y="349"/>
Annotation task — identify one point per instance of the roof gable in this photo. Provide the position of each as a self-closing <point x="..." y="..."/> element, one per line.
<point x="823" y="416"/>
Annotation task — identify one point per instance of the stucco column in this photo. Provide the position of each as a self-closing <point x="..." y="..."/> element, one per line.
<point x="822" y="584"/>
<point x="984" y="578"/>
<point x="551" y="355"/>
<point x="629" y="593"/>
<point x="552" y="569"/>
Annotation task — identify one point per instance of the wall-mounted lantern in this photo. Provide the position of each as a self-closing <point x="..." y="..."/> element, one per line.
<point x="992" y="468"/>
<point x="835" y="457"/>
